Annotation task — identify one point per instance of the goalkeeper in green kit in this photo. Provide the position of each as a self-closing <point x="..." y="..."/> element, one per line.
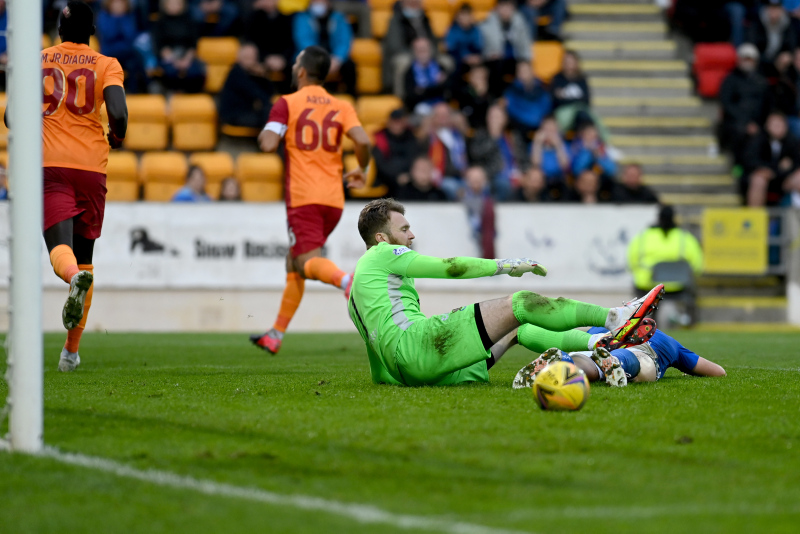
<point x="407" y="348"/>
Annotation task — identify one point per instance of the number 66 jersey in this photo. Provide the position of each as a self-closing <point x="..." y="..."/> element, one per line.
<point x="73" y="79"/>
<point x="312" y="122"/>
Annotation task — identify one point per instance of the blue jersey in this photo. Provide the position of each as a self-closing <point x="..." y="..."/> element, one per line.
<point x="670" y="352"/>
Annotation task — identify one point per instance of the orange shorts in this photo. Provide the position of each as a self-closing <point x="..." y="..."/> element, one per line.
<point x="72" y="193"/>
<point x="310" y="226"/>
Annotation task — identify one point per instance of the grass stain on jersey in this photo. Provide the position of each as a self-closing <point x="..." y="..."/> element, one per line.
<point x="457" y="268"/>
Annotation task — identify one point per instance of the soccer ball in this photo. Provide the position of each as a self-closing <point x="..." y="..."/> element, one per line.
<point x="561" y="386"/>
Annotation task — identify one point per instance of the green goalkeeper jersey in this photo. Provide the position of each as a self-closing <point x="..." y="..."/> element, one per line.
<point x="384" y="302"/>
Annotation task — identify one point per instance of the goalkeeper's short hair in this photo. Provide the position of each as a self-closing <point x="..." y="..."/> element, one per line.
<point x="375" y="217"/>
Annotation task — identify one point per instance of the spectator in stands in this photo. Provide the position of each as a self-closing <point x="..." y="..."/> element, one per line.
<point x="791" y="188"/>
<point x="320" y="26"/>
<point x="425" y="80"/>
<point x="784" y="89"/>
<point x="394" y="151"/>
<point x="360" y="10"/>
<point x="474" y="98"/>
<point x="116" y="31"/>
<point x="480" y="209"/>
<point x="544" y="18"/>
<point x="772" y="158"/>
<point x="549" y="153"/>
<point x="506" y="42"/>
<point x="447" y="147"/>
<point x="271" y="31"/>
<point x="533" y="187"/>
<point x="589" y="152"/>
<point x="246" y="97"/>
<point x="215" y="17"/>
<point x="772" y="33"/>
<point x="631" y="190"/>
<point x="501" y="153"/>
<point x="711" y="21"/>
<point x="744" y="97"/>
<point x="3" y="44"/>
<point x="464" y="40"/>
<point x="528" y="102"/>
<point x="195" y="188"/>
<point x="586" y="189"/>
<point x="229" y="190"/>
<point x="422" y="186"/>
<point x="175" y="42"/>
<point x="3" y="182"/>
<point x="408" y="23"/>
<point x="572" y="98"/>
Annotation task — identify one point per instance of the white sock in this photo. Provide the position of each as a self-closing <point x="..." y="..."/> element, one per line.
<point x="594" y="338"/>
<point x="345" y="280"/>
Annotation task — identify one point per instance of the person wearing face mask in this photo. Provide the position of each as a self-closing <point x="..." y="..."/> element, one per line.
<point x="320" y="26"/>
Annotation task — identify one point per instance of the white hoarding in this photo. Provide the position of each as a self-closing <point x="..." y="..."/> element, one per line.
<point x="241" y="246"/>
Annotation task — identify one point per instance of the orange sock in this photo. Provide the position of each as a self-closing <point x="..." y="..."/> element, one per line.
<point x="74" y="335"/>
<point x="324" y="270"/>
<point x="292" y="295"/>
<point x="64" y="263"/>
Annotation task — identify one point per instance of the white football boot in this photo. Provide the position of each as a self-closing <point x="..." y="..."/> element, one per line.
<point x="69" y="361"/>
<point x="611" y="367"/>
<point x="72" y="313"/>
<point x="527" y="374"/>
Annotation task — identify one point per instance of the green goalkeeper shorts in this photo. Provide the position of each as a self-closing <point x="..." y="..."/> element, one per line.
<point x="443" y="350"/>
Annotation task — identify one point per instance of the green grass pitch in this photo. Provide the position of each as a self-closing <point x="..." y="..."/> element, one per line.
<point x="681" y="455"/>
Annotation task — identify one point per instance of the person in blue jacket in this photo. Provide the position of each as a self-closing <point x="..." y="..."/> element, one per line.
<point x="528" y="102"/>
<point x="464" y="39"/>
<point x="319" y="25"/>
<point x="117" y="31"/>
<point x="590" y="153"/>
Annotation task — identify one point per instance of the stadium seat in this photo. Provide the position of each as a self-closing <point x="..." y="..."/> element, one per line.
<point x="261" y="177"/>
<point x="219" y="54"/>
<point x="480" y="16"/>
<point x="3" y="129"/>
<point x="482" y="5"/>
<point x="194" y="122"/>
<point x="4" y="159"/>
<point x="381" y="4"/>
<point x="379" y="20"/>
<point x="216" y="165"/>
<point x="547" y="57"/>
<point x="449" y="6"/>
<point x="94" y="43"/>
<point x="122" y="179"/>
<point x="374" y="110"/>
<point x="440" y="22"/>
<point x="368" y="191"/>
<point x="712" y="64"/>
<point x="239" y="131"/>
<point x="47" y="42"/>
<point x="162" y="173"/>
<point x="367" y="55"/>
<point x="147" y="122"/>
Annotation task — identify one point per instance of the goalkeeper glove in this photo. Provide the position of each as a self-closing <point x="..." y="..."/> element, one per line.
<point x="518" y="266"/>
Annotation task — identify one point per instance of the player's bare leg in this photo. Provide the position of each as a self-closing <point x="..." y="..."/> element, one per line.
<point x="71" y="256"/>
<point x="502" y="346"/>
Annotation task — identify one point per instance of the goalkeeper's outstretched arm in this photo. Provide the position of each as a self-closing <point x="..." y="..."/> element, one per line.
<point x="465" y="267"/>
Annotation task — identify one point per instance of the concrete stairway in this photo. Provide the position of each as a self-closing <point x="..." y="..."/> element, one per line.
<point x="642" y="90"/>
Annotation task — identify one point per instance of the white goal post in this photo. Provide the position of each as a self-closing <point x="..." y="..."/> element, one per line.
<point x="25" y="372"/>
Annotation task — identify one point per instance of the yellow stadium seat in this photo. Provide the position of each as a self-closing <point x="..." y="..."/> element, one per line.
<point x="382" y="4"/>
<point x="375" y="109"/>
<point x="147" y="122"/>
<point x="482" y="5"/>
<point x="47" y="42"/>
<point x="368" y="191"/>
<point x="194" y="122"/>
<point x="379" y="20"/>
<point x="448" y="6"/>
<point x="216" y="165"/>
<point x="3" y="129"/>
<point x="4" y="159"/>
<point x="480" y="16"/>
<point x="440" y="22"/>
<point x="94" y="43"/>
<point x="366" y="52"/>
<point x="219" y="54"/>
<point x="368" y="80"/>
<point x="261" y="176"/>
<point x="239" y="131"/>
<point x="122" y="179"/>
<point x="163" y="173"/>
<point x="547" y="57"/>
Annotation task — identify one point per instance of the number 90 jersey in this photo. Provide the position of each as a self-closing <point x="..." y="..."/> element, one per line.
<point x="73" y="79"/>
<point x="312" y="123"/>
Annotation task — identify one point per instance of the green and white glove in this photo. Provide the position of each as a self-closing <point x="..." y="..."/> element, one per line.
<point x="518" y="266"/>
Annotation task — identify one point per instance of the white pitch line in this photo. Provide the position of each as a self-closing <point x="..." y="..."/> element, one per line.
<point x="362" y="513"/>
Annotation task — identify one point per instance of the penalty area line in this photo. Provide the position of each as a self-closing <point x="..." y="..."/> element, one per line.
<point x="362" y="513"/>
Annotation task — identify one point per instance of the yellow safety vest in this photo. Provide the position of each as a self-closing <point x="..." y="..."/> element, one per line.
<point x="653" y="246"/>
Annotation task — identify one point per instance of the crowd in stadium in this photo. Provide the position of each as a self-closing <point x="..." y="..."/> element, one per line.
<point x="475" y="124"/>
<point x="760" y="98"/>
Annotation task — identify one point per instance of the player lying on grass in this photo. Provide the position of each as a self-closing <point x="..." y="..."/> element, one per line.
<point x="646" y="362"/>
<point x="407" y="348"/>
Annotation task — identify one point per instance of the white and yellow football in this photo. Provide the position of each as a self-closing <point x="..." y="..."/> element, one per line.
<point x="561" y="386"/>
